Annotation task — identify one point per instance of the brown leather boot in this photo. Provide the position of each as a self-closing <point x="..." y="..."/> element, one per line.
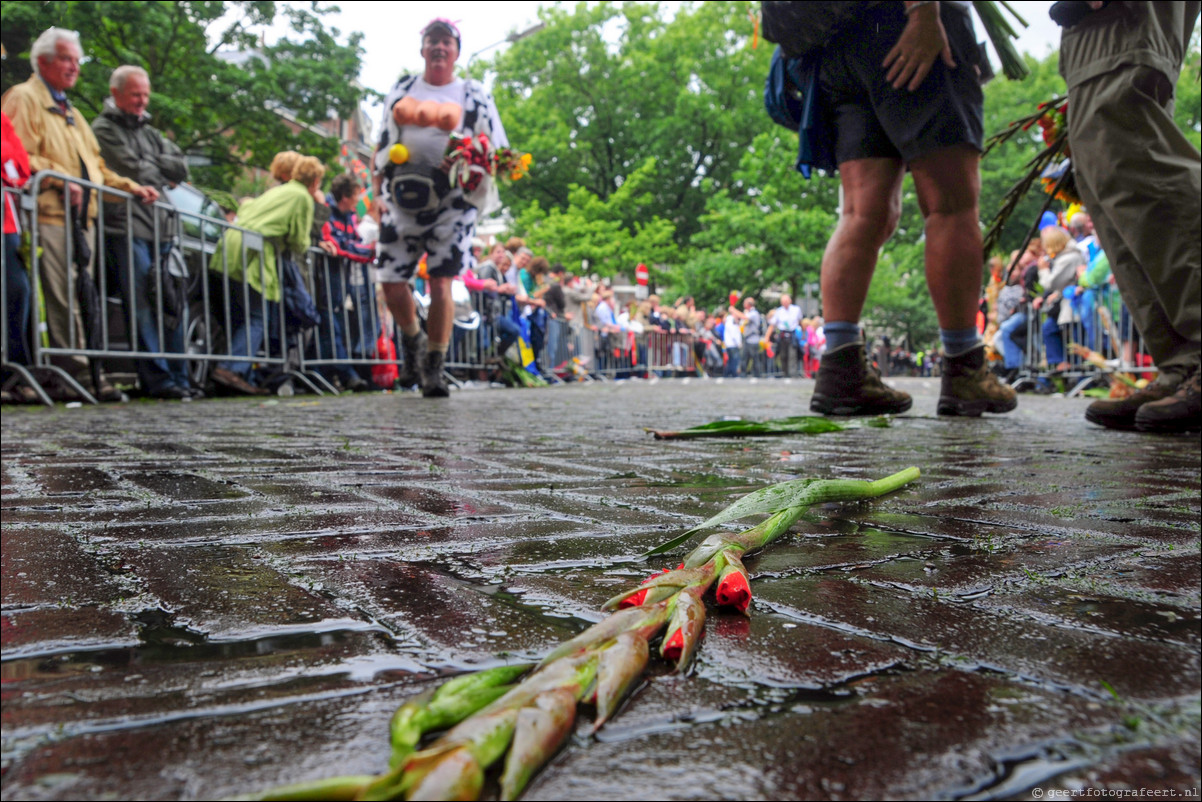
<point x="847" y="386"/>
<point x="968" y="388"/>
<point x="434" y="384"/>
<point x="1179" y="412"/>
<point x="413" y="356"/>
<point x="1120" y="413"/>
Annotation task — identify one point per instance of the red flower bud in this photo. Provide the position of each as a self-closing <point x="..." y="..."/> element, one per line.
<point x="674" y="646"/>
<point x="634" y="600"/>
<point x="733" y="591"/>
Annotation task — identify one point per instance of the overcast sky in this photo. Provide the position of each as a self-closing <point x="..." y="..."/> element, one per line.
<point x="391" y="32"/>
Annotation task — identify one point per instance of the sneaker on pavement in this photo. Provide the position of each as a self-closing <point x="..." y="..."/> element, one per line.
<point x="1179" y="412"/>
<point x="969" y="388"/>
<point x="434" y="384"/>
<point x="413" y="357"/>
<point x="1120" y="413"/>
<point x="846" y="385"/>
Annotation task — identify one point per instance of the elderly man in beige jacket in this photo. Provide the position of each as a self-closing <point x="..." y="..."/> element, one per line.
<point x="58" y="138"/>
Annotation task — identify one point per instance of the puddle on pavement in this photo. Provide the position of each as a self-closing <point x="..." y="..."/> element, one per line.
<point x="161" y="641"/>
<point x="875" y="662"/>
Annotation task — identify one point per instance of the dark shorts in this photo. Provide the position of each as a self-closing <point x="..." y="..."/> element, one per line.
<point x="874" y="120"/>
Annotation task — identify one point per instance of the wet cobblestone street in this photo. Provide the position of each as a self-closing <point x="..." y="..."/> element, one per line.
<point x="207" y="599"/>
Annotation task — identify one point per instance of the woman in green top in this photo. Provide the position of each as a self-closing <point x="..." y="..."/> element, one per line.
<point x="284" y="216"/>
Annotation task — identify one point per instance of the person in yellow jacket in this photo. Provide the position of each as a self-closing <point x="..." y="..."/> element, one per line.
<point x="58" y="138"/>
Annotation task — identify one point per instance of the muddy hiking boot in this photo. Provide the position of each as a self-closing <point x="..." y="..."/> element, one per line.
<point x="434" y="384"/>
<point x="413" y="356"/>
<point x="1179" y="412"/>
<point x="969" y="388"/>
<point x="846" y="385"/>
<point x="1120" y="412"/>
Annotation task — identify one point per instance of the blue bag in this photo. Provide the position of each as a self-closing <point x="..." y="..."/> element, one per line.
<point x="791" y="99"/>
<point x="300" y="313"/>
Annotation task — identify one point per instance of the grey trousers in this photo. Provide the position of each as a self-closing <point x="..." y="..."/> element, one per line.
<point x="64" y="329"/>
<point x="1140" y="180"/>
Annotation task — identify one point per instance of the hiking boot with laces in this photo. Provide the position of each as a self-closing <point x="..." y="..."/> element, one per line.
<point x="969" y="388"/>
<point x="413" y="355"/>
<point x="1179" y="412"/>
<point x="1120" y="412"/>
<point x="434" y="384"/>
<point x="847" y="386"/>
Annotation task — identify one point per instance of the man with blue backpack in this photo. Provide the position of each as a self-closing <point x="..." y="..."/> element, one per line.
<point x="889" y="88"/>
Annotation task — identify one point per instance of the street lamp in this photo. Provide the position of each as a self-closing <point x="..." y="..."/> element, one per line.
<point x="510" y="39"/>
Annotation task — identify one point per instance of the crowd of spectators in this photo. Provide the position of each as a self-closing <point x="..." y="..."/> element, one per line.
<point x="1053" y="313"/>
<point x="1056" y="291"/>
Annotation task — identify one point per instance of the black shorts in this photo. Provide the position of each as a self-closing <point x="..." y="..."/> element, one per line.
<point x="874" y="120"/>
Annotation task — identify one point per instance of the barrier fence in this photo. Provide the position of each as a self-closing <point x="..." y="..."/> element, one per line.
<point x="1097" y="320"/>
<point x="183" y="305"/>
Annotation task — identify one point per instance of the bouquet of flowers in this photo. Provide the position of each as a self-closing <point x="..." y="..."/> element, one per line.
<point x="1001" y="32"/>
<point x="471" y="159"/>
<point x="1051" y="166"/>
<point x="1057" y="178"/>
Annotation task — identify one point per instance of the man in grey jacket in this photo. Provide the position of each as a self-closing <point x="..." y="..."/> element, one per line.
<point x="1141" y="179"/>
<point x="136" y="236"/>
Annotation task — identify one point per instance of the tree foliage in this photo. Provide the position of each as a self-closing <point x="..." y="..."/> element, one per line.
<point x="230" y="111"/>
<point x="604" y="88"/>
<point x="1188" y="109"/>
<point x="769" y="227"/>
<point x="609" y="234"/>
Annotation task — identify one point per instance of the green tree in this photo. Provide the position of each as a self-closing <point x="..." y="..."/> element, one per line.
<point x="600" y="231"/>
<point x="898" y="300"/>
<point x="605" y="87"/>
<point x="768" y="227"/>
<point x="1006" y="101"/>
<point x="1188" y="109"/>
<point x="232" y="112"/>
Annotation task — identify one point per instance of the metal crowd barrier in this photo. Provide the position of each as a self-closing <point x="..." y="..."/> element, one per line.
<point x="209" y="294"/>
<point x="352" y="318"/>
<point x="1093" y="326"/>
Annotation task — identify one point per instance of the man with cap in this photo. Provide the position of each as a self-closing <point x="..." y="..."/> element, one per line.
<point x="423" y="213"/>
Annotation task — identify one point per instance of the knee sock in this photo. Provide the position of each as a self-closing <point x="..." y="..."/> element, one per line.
<point x="958" y="341"/>
<point x="840" y="333"/>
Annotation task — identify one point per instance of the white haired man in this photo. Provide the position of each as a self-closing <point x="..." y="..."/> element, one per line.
<point x="58" y="138"/>
<point x="135" y="149"/>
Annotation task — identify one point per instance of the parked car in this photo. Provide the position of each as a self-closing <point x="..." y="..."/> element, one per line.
<point x="198" y="236"/>
<point x="200" y="233"/>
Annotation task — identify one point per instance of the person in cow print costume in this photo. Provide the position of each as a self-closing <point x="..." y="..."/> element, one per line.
<point x="422" y="213"/>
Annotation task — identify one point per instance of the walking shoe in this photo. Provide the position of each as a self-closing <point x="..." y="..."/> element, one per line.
<point x="968" y="388"/>
<point x="1120" y="413"/>
<point x="1179" y="412"/>
<point x="413" y="354"/>
<point x="106" y="393"/>
<point x="356" y="384"/>
<point x="434" y="385"/>
<point x="169" y="392"/>
<point x="232" y="381"/>
<point x="847" y="386"/>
